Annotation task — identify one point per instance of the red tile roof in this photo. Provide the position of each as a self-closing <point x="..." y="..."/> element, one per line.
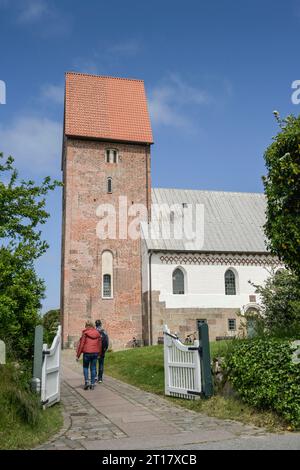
<point x="106" y="108"/>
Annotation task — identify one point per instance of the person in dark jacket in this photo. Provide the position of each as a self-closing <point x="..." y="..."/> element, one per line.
<point x="105" y="343"/>
<point x="90" y="345"/>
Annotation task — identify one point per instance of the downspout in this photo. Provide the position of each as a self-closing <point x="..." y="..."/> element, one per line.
<point x="150" y="301"/>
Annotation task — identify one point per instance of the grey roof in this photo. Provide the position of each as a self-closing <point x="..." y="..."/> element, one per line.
<point x="233" y="222"/>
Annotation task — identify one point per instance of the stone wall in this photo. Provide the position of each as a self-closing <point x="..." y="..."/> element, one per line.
<point x="183" y="321"/>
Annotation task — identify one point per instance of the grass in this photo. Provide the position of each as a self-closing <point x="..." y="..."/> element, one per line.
<point x="144" y="368"/>
<point x="23" y="424"/>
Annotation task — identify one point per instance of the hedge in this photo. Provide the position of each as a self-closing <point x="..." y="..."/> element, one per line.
<point x="262" y="373"/>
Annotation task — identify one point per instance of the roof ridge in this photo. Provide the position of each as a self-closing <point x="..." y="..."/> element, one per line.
<point x="211" y="191"/>
<point x="104" y="76"/>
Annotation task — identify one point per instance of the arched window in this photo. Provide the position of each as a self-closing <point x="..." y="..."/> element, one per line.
<point x="230" y="285"/>
<point x="107" y="275"/>
<point x="111" y="156"/>
<point x="109" y="185"/>
<point x="178" y="281"/>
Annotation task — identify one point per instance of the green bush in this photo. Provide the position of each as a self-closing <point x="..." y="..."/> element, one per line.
<point x="280" y="305"/>
<point x="16" y="398"/>
<point x="262" y="373"/>
<point x="50" y="324"/>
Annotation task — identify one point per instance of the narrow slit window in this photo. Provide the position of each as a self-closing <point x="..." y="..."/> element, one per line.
<point x="109" y="185"/>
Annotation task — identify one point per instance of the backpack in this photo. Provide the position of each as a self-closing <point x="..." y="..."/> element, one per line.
<point x="105" y="340"/>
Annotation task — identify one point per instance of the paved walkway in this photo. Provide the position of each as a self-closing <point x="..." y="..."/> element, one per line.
<point x="119" y="416"/>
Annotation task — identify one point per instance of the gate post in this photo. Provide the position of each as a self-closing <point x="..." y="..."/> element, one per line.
<point x="2" y="352"/>
<point x="206" y="375"/>
<point x="37" y="359"/>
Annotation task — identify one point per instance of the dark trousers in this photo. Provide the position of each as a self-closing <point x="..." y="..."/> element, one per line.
<point x="90" y="361"/>
<point x="100" y="367"/>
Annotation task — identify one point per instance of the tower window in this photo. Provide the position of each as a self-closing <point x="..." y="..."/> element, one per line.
<point x="107" y="285"/>
<point x="230" y="285"/>
<point x="178" y="282"/>
<point x="109" y="185"/>
<point x="111" y="156"/>
<point x="107" y="275"/>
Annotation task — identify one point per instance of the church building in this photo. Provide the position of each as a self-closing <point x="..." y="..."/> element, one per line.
<point x="124" y="260"/>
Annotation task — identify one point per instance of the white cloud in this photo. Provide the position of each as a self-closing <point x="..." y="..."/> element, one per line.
<point x="170" y="102"/>
<point x="53" y="93"/>
<point x="108" y="58"/>
<point x="40" y="16"/>
<point x="125" y="48"/>
<point x="35" y="143"/>
<point x="83" y="65"/>
<point x="31" y="11"/>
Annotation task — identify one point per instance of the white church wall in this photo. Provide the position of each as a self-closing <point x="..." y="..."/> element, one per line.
<point x="145" y="266"/>
<point x="205" y="284"/>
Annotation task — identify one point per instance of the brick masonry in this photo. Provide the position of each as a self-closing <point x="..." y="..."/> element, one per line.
<point x="85" y="177"/>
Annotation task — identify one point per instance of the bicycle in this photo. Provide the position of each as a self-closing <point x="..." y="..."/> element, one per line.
<point x="135" y="343"/>
<point x="190" y="339"/>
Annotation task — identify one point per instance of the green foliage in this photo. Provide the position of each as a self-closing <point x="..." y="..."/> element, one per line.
<point x="23" y="423"/>
<point x="221" y="348"/>
<point x="262" y="373"/>
<point x="280" y="302"/>
<point x="22" y="209"/>
<point x="282" y="189"/>
<point x="51" y="321"/>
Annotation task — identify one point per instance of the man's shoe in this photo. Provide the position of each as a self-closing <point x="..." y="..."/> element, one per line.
<point x="86" y="387"/>
<point x="100" y="381"/>
<point x="92" y="387"/>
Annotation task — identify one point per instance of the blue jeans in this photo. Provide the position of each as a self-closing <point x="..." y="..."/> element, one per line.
<point x="89" y="361"/>
<point x="100" y="367"/>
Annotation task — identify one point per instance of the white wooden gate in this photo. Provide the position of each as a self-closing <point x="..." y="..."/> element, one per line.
<point x="50" y="386"/>
<point x="182" y="367"/>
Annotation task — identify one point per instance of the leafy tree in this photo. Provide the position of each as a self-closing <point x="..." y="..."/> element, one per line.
<point x="282" y="189"/>
<point x="22" y="209"/>
<point x="280" y="302"/>
<point x="50" y="323"/>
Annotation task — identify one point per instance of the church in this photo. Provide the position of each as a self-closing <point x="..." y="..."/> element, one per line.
<point x="139" y="257"/>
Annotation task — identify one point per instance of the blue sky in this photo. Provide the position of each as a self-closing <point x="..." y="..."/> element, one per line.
<point x="214" y="72"/>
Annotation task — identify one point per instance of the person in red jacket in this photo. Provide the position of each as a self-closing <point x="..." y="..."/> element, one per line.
<point x="90" y="345"/>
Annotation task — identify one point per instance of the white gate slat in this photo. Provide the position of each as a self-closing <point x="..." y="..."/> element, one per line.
<point x="182" y="365"/>
<point x="182" y="368"/>
<point x="50" y="386"/>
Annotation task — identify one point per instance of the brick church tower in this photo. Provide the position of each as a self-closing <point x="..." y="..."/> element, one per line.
<point x="106" y="155"/>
